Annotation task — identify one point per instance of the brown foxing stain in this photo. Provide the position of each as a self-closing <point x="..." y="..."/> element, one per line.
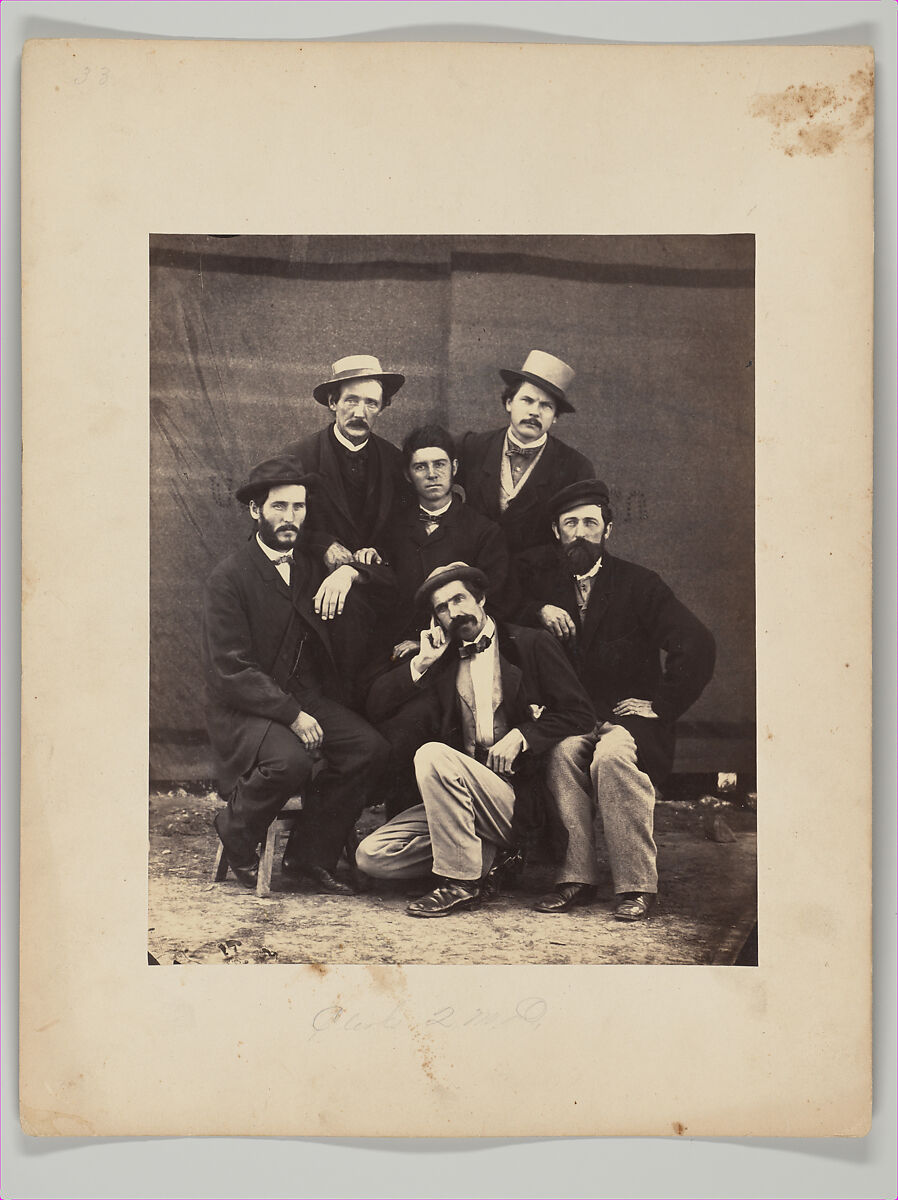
<point x="679" y="1128"/>
<point x="318" y="968"/>
<point x="391" y="979"/>
<point x="815" y="120"/>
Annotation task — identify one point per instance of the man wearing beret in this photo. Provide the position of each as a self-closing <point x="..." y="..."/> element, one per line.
<point x="499" y="699"/>
<point x="614" y="619"/>
<point x="361" y="473"/>
<point x="509" y="474"/>
<point x="275" y="675"/>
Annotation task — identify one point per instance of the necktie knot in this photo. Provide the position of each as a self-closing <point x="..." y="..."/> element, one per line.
<point x="469" y="649"/>
<point x="522" y="452"/>
<point x="285" y="558"/>
<point x="429" y="518"/>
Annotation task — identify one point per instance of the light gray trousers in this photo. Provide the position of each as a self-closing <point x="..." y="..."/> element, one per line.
<point x="599" y="770"/>
<point x="465" y="816"/>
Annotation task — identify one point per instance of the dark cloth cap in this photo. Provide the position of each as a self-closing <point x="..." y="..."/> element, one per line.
<point x="274" y="472"/>
<point x="584" y="491"/>
<point x="452" y="571"/>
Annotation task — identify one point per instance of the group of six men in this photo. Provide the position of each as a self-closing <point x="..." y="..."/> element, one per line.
<point x="384" y="582"/>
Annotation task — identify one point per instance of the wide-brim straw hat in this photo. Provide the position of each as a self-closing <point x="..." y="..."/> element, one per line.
<point x="360" y="366"/>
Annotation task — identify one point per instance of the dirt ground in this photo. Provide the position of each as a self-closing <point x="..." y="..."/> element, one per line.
<point x="706" y="904"/>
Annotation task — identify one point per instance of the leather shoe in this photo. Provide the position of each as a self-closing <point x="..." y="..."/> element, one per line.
<point x="565" y="897"/>
<point x="634" y="906"/>
<point x="505" y="871"/>
<point x="450" y="896"/>
<point x="323" y="880"/>
<point x="247" y="875"/>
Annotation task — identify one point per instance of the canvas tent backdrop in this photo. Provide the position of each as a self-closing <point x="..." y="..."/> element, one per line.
<point x="660" y="330"/>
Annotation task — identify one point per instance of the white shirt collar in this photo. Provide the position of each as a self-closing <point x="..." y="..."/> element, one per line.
<point x="347" y="443"/>
<point x="538" y="445"/>
<point x="592" y="572"/>
<point x="272" y="554"/>
<point x="436" y="512"/>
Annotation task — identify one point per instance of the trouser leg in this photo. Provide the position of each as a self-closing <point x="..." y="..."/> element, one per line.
<point x="469" y="810"/>
<point x="400" y="849"/>
<point x="571" y="792"/>
<point x="626" y="801"/>
<point x="282" y="768"/>
<point x="354" y="756"/>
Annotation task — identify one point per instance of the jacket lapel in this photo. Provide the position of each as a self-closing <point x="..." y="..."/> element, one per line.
<point x="538" y="484"/>
<point x="330" y="469"/>
<point x="380" y="477"/>
<point x="267" y="569"/>
<point x="491" y="475"/>
<point x="599" y="599"/>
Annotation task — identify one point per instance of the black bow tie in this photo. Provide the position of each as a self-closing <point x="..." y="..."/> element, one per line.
<point x="525" y="452"/>
<point x="469" y="649"/>
<point x="430" y="518"/>
<point x="285" y="558"/>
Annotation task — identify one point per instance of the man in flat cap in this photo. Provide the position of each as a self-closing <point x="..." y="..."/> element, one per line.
<point x="498" y="698"/>
<point x="509" y="474"/>
<point x="361" y="473"/>
<point x="614" y="620"/>
<point x="275" y="675"/>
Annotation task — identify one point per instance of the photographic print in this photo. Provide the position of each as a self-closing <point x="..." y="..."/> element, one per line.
<point x="538" y="396"/>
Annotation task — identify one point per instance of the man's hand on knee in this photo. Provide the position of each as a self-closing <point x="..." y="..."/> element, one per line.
<point x="501" y="757"/>
<point x="308" y="731"/>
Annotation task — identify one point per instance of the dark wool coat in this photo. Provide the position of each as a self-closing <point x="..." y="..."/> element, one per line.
<point x="464" y="535"/>
<point x="253" y="626"/>
<point x="330" y="517"/>
<point x="632" y="616"/>
<point x="525" y="522"/>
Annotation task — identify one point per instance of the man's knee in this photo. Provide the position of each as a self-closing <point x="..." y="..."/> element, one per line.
<point x="614" y="748"/>
<point x="434" y="758"/>
<point x="369" y="857"/>
<point x="289" y="770"/>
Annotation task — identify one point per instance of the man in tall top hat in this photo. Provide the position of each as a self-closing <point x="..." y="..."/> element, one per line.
<point x="275" y="678"/>
<point x="616" y="621"/>
<point x="509" y="474"/>
<point x="361" y="473"/>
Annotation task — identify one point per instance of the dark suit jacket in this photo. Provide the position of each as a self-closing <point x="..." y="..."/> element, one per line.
<point x="464" y="535"/>
<point x="330" y="517"/>
<point x="534" y="672"/>
<point x="632" y="615"/>
<point x="525" y="522"/>
<point x="253" y="625"/>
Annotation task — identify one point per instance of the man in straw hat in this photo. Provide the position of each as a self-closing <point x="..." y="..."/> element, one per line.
<point x="614" y="620"/>
<point x="275" y="673"/>
<point x="361" y="473"/>
<point x="510" y="473"/>
<point x="499" y="698"/>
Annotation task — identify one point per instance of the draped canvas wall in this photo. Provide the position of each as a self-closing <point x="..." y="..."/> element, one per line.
<point x="659" y="330"/>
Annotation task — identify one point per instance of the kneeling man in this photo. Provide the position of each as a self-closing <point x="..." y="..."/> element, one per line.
<point x="275" y="675"/>
<point x="614" y="619"/>
<point x="498" y="698"/>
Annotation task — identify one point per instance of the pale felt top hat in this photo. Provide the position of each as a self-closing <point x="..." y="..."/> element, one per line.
<point x="360" y="366"/>
<point x="547" y="372"/>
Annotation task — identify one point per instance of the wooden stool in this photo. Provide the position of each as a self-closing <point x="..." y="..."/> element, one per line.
<point x="284" y="820"/>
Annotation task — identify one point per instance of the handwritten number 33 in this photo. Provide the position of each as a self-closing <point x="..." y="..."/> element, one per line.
<point x="101" y="77"/>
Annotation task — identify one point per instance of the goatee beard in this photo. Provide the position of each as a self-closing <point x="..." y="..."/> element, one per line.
<point x="582" y="556"/>
<point x="271" y="539"/>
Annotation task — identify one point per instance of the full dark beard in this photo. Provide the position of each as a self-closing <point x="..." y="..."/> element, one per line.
<point x="582" y="555"/>
<point x="271" y="539"/>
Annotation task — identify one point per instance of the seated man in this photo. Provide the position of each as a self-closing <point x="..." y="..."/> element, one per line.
<point x="498" y="699"/>
<point x="614" y="620"/>
<point x="274" y="674"/>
